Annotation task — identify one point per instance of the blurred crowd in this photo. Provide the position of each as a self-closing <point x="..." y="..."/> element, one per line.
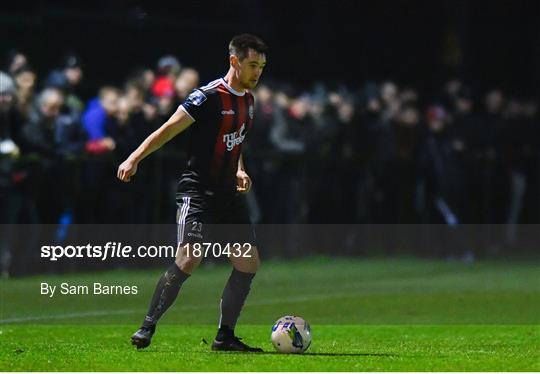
<point x="379" y="153"/>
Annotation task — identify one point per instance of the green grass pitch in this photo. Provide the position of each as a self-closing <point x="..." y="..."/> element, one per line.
<point x="366" y="315"/>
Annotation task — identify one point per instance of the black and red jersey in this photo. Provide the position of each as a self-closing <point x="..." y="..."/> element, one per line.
<point x="223" y="117"/>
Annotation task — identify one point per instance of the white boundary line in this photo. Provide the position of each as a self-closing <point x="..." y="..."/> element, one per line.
<point x="98" y="313"/>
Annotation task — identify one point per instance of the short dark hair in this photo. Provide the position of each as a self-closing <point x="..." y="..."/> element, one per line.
<point x="240" y="45"/>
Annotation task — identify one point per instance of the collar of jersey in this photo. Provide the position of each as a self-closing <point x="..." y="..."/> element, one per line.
<point x="232" y="90"/>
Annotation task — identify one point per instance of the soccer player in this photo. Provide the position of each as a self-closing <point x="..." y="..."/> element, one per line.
<point x="218" y="116"/>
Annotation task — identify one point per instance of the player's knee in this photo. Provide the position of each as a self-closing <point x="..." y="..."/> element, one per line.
<point x="186" y="261"/>
<point x="246" y="265"/>
<point x="188" y="264"/>
<point x="257" y="264"/>
<point x="254" y="262"/>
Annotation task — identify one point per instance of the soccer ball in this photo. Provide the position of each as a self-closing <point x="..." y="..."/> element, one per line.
<point x="291" y="334"/>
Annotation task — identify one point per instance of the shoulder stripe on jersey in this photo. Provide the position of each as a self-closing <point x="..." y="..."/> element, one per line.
<point x="210" y="85"/>
<point x="231" y="90"/>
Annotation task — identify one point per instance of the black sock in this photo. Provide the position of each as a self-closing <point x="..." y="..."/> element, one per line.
<point x="166" y="292"/>
<point x="232" y="301"/>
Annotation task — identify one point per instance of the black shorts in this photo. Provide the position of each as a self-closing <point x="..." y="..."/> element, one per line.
<point x="206" y="217"/>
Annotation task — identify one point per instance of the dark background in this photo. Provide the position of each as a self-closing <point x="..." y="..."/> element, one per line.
<point x="486" y="43"/>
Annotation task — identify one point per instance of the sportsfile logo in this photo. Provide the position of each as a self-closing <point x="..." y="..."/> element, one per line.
<point x="234" y="138"/>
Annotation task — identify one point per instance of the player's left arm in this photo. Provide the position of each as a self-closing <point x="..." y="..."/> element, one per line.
<point x="243" y="181"/>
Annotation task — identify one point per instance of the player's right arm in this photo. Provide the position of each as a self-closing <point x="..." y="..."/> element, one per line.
<point x="178" y="122"/>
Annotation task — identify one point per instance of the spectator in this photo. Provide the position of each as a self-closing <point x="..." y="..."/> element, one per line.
<point x="492" y="123"/>
<point x="67" y="78"/>
<point x="408" y="139"/>
<point x="437" y="163"/>
<point x="99" y="120"/>
<point x="16" y="204"/>
<point x="135" y="120"/>
<point x="390" y="101"/>
<point x="25" y="79"/>
<point x="50" y="132"/>
<point x="15" y="60"/>
<point x="289" y="137"/>
<point x="260" y="155"/>
<point x="186" y="82"/>
<point x="168" y="68"/>
<point x="320" y="160"/>
<point x="143" y="77"/>
<point x="101" y="124"/>
<point x="56" y="139"/>
<point x="141" y="112"/>
<point x="520" y="157"/>
<point x="11" y="198"/>
<point x="134" y="126"/>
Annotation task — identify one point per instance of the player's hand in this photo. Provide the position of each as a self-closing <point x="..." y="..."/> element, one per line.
<point x="108" y="143"/>
<point x="243" y="182"/>
<point x="126" y="170"/>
